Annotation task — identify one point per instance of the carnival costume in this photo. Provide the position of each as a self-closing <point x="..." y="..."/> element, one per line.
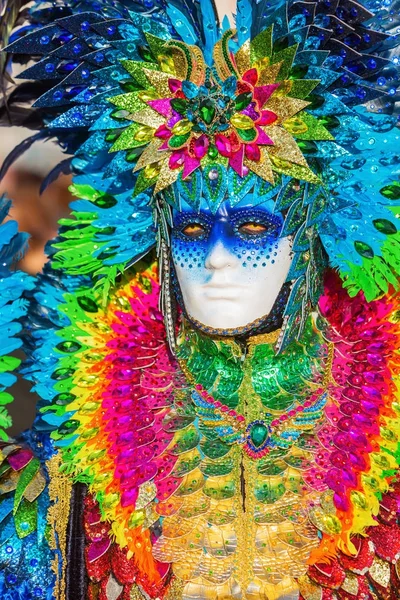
<point x="170" y="459"/>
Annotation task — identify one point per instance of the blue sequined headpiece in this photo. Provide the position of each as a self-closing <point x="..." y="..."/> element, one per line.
<point x="97" y="61"/>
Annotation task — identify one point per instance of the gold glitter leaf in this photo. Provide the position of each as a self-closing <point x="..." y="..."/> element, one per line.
<point x="148" y="117"/>
<point x="36" y="487"/>
<point x="285" y="56"/>
<point x="308" y="589"/>
<point x="261" y="45"/>
<point x="301" y="88"/>
<point x="127" y="139"/>
<point x="380" y="572"/>
<point x="284" y="146"/>
<point x="156" y="44"/>
<point x="262" y="168"/>
<point x="130" y="101"/>
<point x="269" y="74"/>
<point x="350" y="584"/>
<point x="180" y="61"/>
<point x="315" y="130"/>
<point x="285" y="107"/>
<point x="242" y="58"/>
<point x="159" y="81"/>
<point x="167" y="177"/>
<point x="137" y="70"/>
<point x="150" y="155"/>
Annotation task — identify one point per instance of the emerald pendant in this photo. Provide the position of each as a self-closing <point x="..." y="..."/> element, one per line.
<point x="258" y="434"/>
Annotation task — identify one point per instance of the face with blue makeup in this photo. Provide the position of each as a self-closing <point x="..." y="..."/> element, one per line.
<point x="231" y="265"/>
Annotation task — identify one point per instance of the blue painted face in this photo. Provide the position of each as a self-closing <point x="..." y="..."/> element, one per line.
<point x="231" y="265"/>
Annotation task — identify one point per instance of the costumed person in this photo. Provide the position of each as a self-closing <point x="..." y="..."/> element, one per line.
<point x="214" y="339"/>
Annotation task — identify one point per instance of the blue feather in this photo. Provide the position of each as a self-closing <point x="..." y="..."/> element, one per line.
<point x="182" y="25"/>
<point x="210" y="28"/>
<point x="243" y="20"/>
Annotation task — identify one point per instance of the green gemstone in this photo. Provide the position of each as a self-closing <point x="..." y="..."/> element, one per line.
<point x="243" y="100"/>
<point x="105" y="201"/>
<point x="179" y="105"/>
<point x="316" y="101"/>
<point x="145" y="53"/>
<point x="120" y="114"/>
<point x="60" y="374"/>
<point x="64" y="398"/>
<point x="307" y="147"/>
<point x="68" y="346"/>
<point x="68" y="427"/>
<point x="329" y="121"/>
<point x="392" y="191"/>
<point x="212" y="152"/>
<point x="133" y="154"/>
<point x="258" y="434"/>
<point x="106" y="231"/>
<point x="247" y="135"/>
<point x="385" y="226"/>
<point x="129" y="86"/>
<point x="207" y="111"/>
<point x="298" y="71"/>
<point x="364" y="249"/>
<point x="112" y="135"/>
<point x="177" y="141"/>
<point x="87" y="304"/>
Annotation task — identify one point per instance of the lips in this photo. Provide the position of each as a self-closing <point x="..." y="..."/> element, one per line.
<point x="221" y="292"/>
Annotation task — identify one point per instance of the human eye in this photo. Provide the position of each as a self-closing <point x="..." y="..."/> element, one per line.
<point x="257" y="224"/>
<point x="193" y="230"/>
<point x="252" y="228"/>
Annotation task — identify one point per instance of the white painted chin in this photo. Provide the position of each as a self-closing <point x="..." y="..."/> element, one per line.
<point x="225" y="295"/>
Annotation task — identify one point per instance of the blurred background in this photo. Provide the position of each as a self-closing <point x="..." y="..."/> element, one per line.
<point x="37" y="214"/>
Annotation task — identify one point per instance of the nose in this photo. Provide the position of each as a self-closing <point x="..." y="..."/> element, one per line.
<point x="219" y="257"/>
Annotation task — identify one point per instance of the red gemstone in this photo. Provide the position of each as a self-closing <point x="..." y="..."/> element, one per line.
<point x="163" y="132"/>
<point x="251" y="77"/>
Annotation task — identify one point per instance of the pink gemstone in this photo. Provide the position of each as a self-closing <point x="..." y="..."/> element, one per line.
<point x="200" y="146"/>
<point x="176" y="160"/>
<point x="341" y="502"/>
<point x="252" y="152"/>
<point x="291" y="413"/>
<point x="227" y="145"/>
<point x="240" y="418"/>
<point x="174" y="85"/>
<point x="163" y="132"/>
<point x="217" y="404"/>
<point x="232" y="413"/>
<point x="224" y="408"/>
<point x="20" y="459"/>
<point x="267" y="117"/>
<point x="307" y="403"/>
<point x="275" y="422"/>
<point x="198" y="387"/>
<point x="283" y="418"/>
